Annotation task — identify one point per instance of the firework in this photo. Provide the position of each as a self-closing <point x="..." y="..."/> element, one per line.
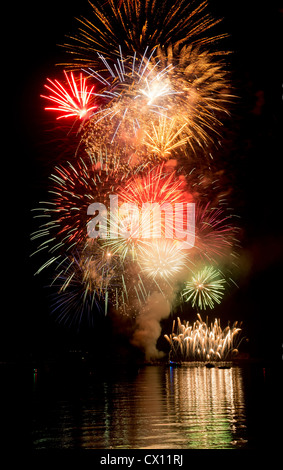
<point x="149" y="94"/>
<point x="126" y="224"/>
<point x="163" y="139"/>
<point x="204" y="288"/>
<point x="140" y="96"/>
<point x="143" y="197"/>
<point x="144" y="74"/>
<point x="91" y="281"/>
<point x="65" y="216"/>
<point x="134" y="90"/>
<point x="201" y="342"/>
<point x="162" y="259"/>
<point x="215" y="234"/>
<point x="158" y="184"/>
<point x="203" y="93"/>
<point x="73" y="99"/>
<point x="82" y="282"/>
<point x="135" y="25"/>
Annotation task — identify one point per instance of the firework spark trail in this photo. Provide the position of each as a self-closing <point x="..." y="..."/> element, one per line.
<point x="86" y="281"/>
<point x="205" y="288"/>
<point x="141" y="95"/>
<point x="73" y="100"/>
<point x="163" y="138"/>
<point x="158" y="260"/>
<point x="203" y="92"/>
<point x="162" y="259"/>
<point x="152" y="23"/>
<point x="93" y="281"/>
<point x="182" y="72"/>
<point x="158" y="184"/>
<point x="201" y="342"/>
<point x="74" y="188"/>
<point x="216" y="236"/>
<point x="134" y="89"/>
<point x="140" y="222"/>
<point x="81" y="287"/>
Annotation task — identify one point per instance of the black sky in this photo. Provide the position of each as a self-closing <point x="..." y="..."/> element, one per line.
<point x="34" y="32"/>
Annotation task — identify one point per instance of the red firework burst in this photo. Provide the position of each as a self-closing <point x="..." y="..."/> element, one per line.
<point x="73" y="99"/>
<point x="157" y="186"/>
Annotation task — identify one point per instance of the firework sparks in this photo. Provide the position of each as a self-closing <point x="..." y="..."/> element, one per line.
<point x="146" y="93"/>
<point x="156" y="185"/>
<point x="73" y="99"/>
<point x="140" y="95"/>
<point x="134" y="89"/>
<point x="92" y="280"/>
<point x="151" y="23"/>
<point x="144" y="196"/>
<point x="205" y="288"/>
<point x="215" y="233"/>
<point x="161" y="259"/>
<point x="202" y="89"/>
<point x="177" y="74"/>
<point x="162" y="139"/>
<point x="82" y="282"/>
<point x="201" y="342"/>
<point x="74" y="188"/>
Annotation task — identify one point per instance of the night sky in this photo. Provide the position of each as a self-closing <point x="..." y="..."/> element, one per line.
<point x="254" y="155"/>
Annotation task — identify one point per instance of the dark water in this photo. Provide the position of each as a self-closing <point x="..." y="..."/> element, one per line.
<point x="151" y="407"/>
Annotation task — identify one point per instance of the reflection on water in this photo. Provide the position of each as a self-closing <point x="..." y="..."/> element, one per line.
<point x="156" y="407"/>
<point x="208" y="405"/>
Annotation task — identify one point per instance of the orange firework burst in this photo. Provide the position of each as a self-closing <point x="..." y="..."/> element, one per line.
<point x="72" y="100"/>
<point x="135" y="25"/>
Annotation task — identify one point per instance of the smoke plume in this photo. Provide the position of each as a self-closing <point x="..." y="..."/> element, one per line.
<point x="148" y="328"/>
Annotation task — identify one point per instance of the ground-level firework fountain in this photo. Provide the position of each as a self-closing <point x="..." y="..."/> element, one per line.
<point x="202" y="342"/>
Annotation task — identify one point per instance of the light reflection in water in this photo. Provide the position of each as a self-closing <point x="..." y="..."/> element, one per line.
<point x="209" y="405"/>
<point x="160" y="407"/>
